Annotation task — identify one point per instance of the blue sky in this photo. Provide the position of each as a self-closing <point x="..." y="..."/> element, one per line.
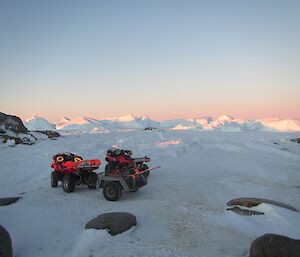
<point x="165" y="59"/>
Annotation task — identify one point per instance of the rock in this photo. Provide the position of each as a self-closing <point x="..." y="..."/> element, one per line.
<point x="5" y="243"/>
<point x="296" y="140"/>
<point x="245" y="212"/>
<point x="49" y="133"/>
<point x="12" y="123"/>
<point x="114" y="222"/>
<point x="8" y="200"/>
<point x="12" y="128"/>
<point x="271" y="245"/>
<point x="150" y="128"/>
<point x="250" y="202"/>
<point x="25" y="139"/>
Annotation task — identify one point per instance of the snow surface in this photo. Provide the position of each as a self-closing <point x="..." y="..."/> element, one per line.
<point x="182" y="210"/>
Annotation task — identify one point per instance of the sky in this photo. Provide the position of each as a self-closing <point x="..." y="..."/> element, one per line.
<point x="165" y="59"/>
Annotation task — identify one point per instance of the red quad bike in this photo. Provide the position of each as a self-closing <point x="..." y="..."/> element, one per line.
<point x="71" y="169"/>
<point x="122" y="172"/>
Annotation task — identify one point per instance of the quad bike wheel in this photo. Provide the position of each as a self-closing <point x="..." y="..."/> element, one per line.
<point x="112" y="191"/>
<point x="92" y="180"/>
<point x="68" y="183"/>
<point x="54" y="179"/>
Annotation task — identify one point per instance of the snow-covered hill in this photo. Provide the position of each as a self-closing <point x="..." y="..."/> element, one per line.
<point x="38" y="123"/>
<point x="281" y="125"/>
<point x="181" y="211"/>
<point x="223" y="123"/>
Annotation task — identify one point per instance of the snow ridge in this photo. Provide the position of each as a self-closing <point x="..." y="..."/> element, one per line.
<point x="131" y="121"/>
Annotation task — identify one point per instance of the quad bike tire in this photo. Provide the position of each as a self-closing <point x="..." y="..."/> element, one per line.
<point x="112" y="191"/>
<point x="54" y="179"/>
<point x="68" y="183"/>
<point x="92" y="180"/>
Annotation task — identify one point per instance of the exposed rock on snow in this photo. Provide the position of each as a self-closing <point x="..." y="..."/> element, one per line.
<point x="12" y="123"/>
<point x="245" y="212"/>
<point x="271" y="245"/>
<point x="150" y="128"/>
<point x="13" y="131"/>
<point x="49" y="133"/>
<point x="114" y="222"/>
<point x="296" y="140"/>
<point x="5" y="243"/>
<point x="8" y="200"/>
<point x="250" y="202"/>
<point x="38" y="123"/>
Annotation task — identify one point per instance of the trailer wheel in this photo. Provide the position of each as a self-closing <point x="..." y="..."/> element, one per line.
<point x="68" y="183"/>
<point x="54" y="179"/>
<point x="112" y="191"/>
<point x="92" y="180"/>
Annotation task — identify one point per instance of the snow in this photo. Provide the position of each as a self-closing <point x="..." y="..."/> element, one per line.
<point x="131" y="121"/>
<point x="281" y="125"/>
<point x="182" y="210"/>
<point x="38" y="123"/>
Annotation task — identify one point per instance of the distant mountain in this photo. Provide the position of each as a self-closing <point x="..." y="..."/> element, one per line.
<point x="281" y="125"/>
<point x="38" y="123"/>
<point x="82" y="123"/>
<point x="130" y="121"/>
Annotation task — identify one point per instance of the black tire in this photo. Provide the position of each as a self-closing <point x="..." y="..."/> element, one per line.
<point x="92" y="180"/>
<point x="112" y="191"/>
<point x="54" y="179"/>
<point x="68" y="183"/>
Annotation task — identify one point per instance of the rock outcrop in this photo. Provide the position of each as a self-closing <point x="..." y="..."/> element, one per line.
<point x="13" y="130"/>
<point x="5" y="243"/>
<point x="8" y="200"/>
<point x="271" y="245"/>
<point x="114" y="222"/>
<point x="12" y="123"/>
<point x="250" y="202"/>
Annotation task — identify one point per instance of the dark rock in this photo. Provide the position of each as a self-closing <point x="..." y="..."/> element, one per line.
<point x="245" y="212"/>
<point x="25" y="139"/>
<point x="150" y="128"/>
<point x="250" y="202"/>
<point x="49" y="133"/>
<point x="271" y="245"/>
<point x="8" y="200"/>
<point x="296" y="140"/>
<point x="12" y="123"/>
<point x="5" y="243"/>
<point x="114" y="222"/>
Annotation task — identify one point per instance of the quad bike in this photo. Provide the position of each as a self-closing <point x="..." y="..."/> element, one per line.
<point x="71" y="169"/>
<point x="122" y="172"/>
